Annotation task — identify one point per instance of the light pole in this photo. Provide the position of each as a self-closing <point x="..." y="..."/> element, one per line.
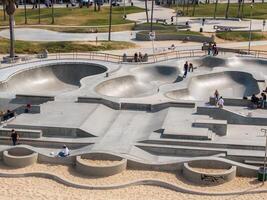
<point x="265" y="154"/>
<point x="250" y="26"/>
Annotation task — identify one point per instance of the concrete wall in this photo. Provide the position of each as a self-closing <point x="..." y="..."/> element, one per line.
<point x="23" y="133"/>
<point x="208" y="178"/>
<point x="70" y="160"/>
<point x="19" y="157"/>
<point x="33" y="99"/>
<point x="93" y="170"/>
<point x="217" y="126"/>
<point x="232" y="102"/>
<point x="231" y="117"/>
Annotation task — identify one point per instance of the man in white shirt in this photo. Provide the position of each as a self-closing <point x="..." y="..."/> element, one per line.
<point x="220" y="102"/>
<point x="64" y="152"/>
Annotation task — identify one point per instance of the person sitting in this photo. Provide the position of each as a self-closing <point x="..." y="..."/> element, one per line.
<point x="220" y="102"/>
<point x="140" y="56"/>
<point x="255" y="101"/>
<point x="64" y="152"/>
<point x="263" y="100"/>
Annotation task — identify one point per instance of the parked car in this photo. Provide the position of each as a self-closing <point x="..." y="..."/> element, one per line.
<point x="115" y="3"/>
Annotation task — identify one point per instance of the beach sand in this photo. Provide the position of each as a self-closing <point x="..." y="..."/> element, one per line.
<point x="41" y="188"/>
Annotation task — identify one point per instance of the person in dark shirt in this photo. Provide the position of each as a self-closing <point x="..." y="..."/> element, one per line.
<point x="14" y="137"/>
<point x="185" y="69"/>
<point x="263" y="100"/>
<point x="255" y="101"/>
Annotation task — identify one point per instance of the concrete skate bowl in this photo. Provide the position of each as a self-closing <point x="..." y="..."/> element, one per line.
<point x="50" y="79"/>
<point x="143" y="81"/>
<point x="209" y="63"/>
<point x="231" y="84"/>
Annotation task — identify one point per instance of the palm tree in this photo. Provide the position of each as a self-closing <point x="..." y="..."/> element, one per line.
<point x="152" y="9"/>
<point x="187" y="7"/>
<point x="4" y="10"/>
<point x="110" y="19"/>
<point x="53" y="16"/>
<point x="10" y="10"/>
<point x="194" y="7"/>
<point x="215" y="9"/>
<point x="147" y="20"/>
<point x="227" y="9"/>
<point x="25" y="11"/>
<point x="242" y="9"/>
<point x="239" y="8"/>
<point x="39" y="12"/>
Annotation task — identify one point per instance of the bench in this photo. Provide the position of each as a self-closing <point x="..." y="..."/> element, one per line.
<point x="164" y="21"/>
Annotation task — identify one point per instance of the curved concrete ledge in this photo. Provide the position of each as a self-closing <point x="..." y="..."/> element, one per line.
<point x="95" y="170"/>
<point x="151" y="182"/>
<point x="19" y="157"/>
<point x="198" y="177"/>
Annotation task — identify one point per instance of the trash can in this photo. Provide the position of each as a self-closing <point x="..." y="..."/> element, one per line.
<point x="260" y="174"/>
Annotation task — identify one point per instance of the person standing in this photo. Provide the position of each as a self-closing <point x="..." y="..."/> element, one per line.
<point x="185" y="69"/>
<point x="191" y="67"/>
<point x="14" y="137"/>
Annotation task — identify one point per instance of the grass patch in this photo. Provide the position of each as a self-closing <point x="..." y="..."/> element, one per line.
<point x="73" y="16"/>
<point x="22" y="47"/>
<point x="156" y="26"/>
<point x="241" y="36"/>
<point x="207" y="10"/>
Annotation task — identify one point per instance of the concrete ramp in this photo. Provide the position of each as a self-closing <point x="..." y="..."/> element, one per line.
<point x="52" y="78"/>
<point x="229" y="84"/>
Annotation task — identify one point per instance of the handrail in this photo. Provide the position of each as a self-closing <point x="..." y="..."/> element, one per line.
<point x="152" y="58"/>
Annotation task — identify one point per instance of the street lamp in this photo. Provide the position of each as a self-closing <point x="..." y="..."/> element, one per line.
<point x="250" y="26"/>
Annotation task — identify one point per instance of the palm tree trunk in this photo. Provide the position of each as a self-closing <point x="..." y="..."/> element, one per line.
<point x="25" y="12"/>
<point x="187" y="7"/>
<point x="183" y="6"/>
<point x="242" y="9"/>
<point x="147" y="19"/>
<point x="152" y="9"/>
<point x="239" y="8"/>
<point x="39" y="12"/>
<point x="110" y="19"/>
<point x="12" y="38"/>
<point x="227" y="9"/>
<point x="215" y="9"/>
<point x="194" y="8"/>
<point x="4" y="11"/>
<point x="53" y="16"/>
<point x="95" y="5"/>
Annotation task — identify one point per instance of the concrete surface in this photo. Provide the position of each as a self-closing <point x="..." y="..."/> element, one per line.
<point x="145" y="135"/>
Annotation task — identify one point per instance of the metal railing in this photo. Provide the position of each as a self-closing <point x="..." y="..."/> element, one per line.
<point x="106" y="57"/>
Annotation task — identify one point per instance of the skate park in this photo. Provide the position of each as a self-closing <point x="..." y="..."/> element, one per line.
<point x="146" y="113"/>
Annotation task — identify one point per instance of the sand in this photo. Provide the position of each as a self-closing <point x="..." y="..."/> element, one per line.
<point x="69" y="173"/>
<point x="100" y="162"/>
